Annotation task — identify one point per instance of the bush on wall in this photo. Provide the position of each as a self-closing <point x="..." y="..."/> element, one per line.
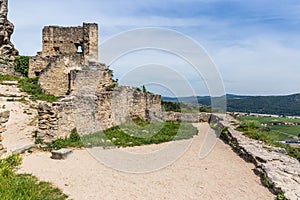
<point x="22" y="65"/>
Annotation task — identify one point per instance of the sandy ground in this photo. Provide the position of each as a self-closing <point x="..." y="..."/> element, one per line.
<point x="220" y="175"/>
<point x="22" y="121"/>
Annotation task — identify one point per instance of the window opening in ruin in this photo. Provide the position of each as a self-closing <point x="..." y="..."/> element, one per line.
<point x="56" y="49"/>
<point x="79" y="48"/>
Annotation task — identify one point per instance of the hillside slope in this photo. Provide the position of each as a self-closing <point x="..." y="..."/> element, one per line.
<point x="280" y="105"/>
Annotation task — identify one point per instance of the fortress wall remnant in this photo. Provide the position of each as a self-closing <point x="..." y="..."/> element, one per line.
<point x="37" y="64"/>
<point x="93" y="101"/>
<point x="57" y="40"/>
<point x="55" y="78"/>
<point x="63" y="41"/>
<point x="55" y="120"/>
<point x="90" y="43"/>
<point x="91" y="113"/>
<point x="91" y="81"/>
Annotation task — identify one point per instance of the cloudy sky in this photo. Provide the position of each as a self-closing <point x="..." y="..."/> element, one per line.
<point x="255" y="44"/>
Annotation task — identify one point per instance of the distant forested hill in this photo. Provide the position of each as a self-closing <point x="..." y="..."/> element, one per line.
<point x="280" y="105"/>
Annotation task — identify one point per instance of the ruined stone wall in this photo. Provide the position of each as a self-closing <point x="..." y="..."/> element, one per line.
<point x="65" y="41"/>
<point x="37" y="64"/>
<point x="91" y="113"/>
<point x="90" y="43"/>
<point x="57" y="40"/>
<point x="130" y="103"/>
<point x="91" y="81"/>
<point x="186" y="117"/>
<point x="55" y="78"/>
<point x="56" y="120"/>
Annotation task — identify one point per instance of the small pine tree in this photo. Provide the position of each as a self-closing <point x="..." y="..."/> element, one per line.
<point x="144" y="89"/>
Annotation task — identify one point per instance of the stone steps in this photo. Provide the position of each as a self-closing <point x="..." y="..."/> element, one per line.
<point x="22" y="148"/>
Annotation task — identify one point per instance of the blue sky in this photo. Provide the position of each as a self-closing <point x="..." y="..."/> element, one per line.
<point x="255" y="44"/>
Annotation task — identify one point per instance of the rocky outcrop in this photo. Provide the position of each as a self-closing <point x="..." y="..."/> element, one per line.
<point x="279" y="172"/>
<point x="7" y="49"/>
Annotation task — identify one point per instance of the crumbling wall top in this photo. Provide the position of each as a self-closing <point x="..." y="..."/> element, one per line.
<point x="59" y="40"/>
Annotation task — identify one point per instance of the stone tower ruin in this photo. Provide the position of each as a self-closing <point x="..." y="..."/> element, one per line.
<point x="79" y="43"/>
<point x="67" y="40"/>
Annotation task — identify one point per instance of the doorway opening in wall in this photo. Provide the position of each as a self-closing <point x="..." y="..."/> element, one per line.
<point x="79" y="48"/>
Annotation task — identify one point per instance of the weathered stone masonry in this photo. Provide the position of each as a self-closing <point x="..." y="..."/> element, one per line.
<point x="7" y="49"/>
<point x="92" y="113"/>
<point x="87" y="104"/>
<point x="61" y="41"/>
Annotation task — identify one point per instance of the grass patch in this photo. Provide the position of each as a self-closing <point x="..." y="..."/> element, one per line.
<point x="4" y="77"/>
<point x="73" y="140"/>
<point x="24" y="186"/>
<point x="30" y="86"/>
<point x="135" y="133"/>
<point x="292" y="130"/>
<point x="132" y="134"/>
<point x="263" y="119"/>
<point x="254" y="130"/>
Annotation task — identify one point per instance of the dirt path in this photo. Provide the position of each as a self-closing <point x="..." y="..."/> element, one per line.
<point x="220" y="175"/>
<point x="22" y="120"/>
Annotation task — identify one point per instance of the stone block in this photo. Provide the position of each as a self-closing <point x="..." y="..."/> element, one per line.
<point x="60" y="154"/>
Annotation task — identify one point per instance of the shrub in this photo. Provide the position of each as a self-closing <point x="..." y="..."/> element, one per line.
<point x="111" y="87"/>
<point x="73" y="140"/>
<point x="74" y="136"/>
<point x="22" y="65"/>
<point x="280" y="196"/>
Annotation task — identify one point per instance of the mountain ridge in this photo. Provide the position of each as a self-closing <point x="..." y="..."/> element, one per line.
<point x="269" y="104"/>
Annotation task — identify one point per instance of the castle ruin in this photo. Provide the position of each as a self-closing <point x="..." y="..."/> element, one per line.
<point x="91" y="100"/>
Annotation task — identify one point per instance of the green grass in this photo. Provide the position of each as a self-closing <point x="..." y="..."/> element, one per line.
<point x="73" y="140"/>
<point x="132" y="134"/>
<point x="24" y="186"/>
<point x="263" y="119"/>
<point x="289" y="129"/>
<point x="4" y="77"/>
<point x="252" y="129"/>
<point x="31" y="87"/>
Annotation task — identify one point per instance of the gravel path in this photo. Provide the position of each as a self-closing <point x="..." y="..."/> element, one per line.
<point x="220" y="175"/>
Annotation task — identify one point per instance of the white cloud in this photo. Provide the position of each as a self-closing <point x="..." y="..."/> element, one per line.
<point x="255" y="54"/>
